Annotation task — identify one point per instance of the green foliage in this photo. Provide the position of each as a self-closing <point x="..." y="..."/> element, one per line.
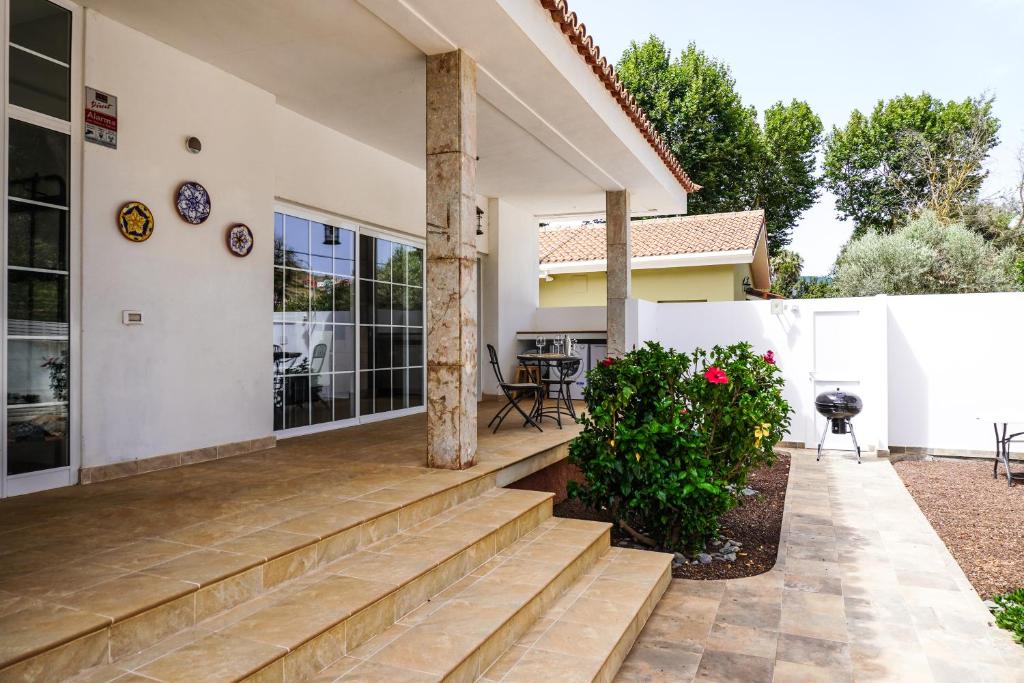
<point x="909" y="154"/>
<point x="693" y="102"/>
<point x="1009" y="613"/>
<point x="664" y="449"/>
<point x="786" y="267"/>
<point x="926" y="256"/>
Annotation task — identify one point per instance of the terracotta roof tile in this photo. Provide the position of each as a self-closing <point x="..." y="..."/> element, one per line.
<point x="576" y="31"/>
<point x="656" y="237"/>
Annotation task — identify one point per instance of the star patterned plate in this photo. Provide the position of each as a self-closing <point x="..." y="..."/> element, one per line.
<point x="193" y="203"/>
<point x="136" y="221"/>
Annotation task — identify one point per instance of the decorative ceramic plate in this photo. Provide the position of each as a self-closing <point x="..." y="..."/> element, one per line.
<point x="240" y="239"/>
<point x="193" y="203"/>
<point x="136" y="221"/>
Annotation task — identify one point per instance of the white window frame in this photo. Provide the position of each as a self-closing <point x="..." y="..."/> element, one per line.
<point x="30" y="482"/>
<point x="359" y="228"/>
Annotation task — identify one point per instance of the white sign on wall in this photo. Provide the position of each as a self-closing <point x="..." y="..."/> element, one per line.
<point x="100" y="118"/>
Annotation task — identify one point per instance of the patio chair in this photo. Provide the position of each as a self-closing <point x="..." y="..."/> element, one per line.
<point x="559" y="388"/>
<point x="514" y="393"/>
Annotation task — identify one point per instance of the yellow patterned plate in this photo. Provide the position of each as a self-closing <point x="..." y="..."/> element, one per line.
<point x="136" y="221"/>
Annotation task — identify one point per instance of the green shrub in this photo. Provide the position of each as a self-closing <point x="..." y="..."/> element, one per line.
<point x="1009" y="613"/>
<point x="669" y="438"/>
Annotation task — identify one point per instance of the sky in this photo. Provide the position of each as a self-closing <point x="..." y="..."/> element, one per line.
<point x="841" y="55"/>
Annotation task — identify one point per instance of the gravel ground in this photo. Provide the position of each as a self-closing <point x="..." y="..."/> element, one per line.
<point x="980" y="520"/>
<point x="756" y="525"/>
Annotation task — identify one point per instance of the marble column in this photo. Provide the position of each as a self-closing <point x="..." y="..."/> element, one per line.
<point x="451" y="261"/>
<point x="619" y="275"/>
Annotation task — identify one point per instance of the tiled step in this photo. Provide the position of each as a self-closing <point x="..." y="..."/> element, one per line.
<point x="587" y="634"/>
<point x="112" y="604"/>
<point x="462" y="632"/>
<point x="295" y="631"/>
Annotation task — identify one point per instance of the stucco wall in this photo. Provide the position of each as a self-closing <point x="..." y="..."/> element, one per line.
<point x="698" y="283"/>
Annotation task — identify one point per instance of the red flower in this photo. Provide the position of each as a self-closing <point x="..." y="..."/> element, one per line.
<point x="716" y="375"/>
<point x="607" y="362"/>
<point x="769" y="357"/>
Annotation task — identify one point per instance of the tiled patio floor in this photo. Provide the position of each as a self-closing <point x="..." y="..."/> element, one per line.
<point x="863" y="590"/>
<point x="74" y="559"/>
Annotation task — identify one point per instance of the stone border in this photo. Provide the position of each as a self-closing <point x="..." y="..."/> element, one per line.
<point x="921" y="452"/>
<point x="128" y="468"/>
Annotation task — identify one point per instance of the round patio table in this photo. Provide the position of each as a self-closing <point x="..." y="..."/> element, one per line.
<point x="1001" y="425"/>
<point x="560" y="365"/>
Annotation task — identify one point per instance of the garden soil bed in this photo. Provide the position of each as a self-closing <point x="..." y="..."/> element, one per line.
<point x="756" y="524"/>
<point x="979" y="518"/>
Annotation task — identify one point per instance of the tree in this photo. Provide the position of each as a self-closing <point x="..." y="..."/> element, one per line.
<point x="692" y="101"/>
<point x="786" y="267"/>
<point x="927" y="256"/>
<point x="911" y="154"/>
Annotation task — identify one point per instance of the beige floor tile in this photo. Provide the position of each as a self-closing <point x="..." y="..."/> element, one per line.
<point x="216" y="657"/>
<point x="425" y="649"/>
<point x="31" y="630"/>
<point x="540" y="665"/>
<point x="265" y="543"/>
<point x="732" y="667"/>
<point x="142" y="554"/>
<point x="205" y="566"/>
<point x="127" y="595"/>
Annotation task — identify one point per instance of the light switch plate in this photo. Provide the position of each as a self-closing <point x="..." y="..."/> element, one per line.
<point x="131" y="317"/>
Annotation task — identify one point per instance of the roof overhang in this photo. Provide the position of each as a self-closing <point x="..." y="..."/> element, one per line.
<point x="708" y="258"/>
<point x="552" y="138"/>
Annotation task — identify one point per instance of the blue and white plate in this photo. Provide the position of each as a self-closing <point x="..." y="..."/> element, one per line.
<point x="193" y="203"/>
<point x="240" y="239"/>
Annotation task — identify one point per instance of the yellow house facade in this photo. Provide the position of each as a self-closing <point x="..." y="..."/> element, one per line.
<point x="713" y="257"/>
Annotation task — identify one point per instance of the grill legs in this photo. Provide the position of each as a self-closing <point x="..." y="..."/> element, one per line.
<point x="853" y="436"/>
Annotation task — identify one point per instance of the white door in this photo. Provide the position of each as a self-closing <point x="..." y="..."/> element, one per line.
<point x="840" y="342"/>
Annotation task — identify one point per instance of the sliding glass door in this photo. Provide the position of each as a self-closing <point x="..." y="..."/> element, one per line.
<point x="348" y="323"/>
<point x="37" y="338"/>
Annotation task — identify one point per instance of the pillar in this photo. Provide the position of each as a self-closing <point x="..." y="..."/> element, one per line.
<point x="451" y="261"/>
<point x="619" y="275"/>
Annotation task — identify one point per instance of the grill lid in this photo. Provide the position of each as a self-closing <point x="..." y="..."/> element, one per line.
<point x="838" y="404"/>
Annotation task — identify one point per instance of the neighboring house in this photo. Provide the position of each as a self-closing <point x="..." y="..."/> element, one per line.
<point x="713" y="257"/>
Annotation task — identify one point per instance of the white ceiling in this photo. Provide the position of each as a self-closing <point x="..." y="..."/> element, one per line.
<point x="540" y="142"/>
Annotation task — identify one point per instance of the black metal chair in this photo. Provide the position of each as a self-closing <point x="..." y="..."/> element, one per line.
<point x="557" y="387"/>
<point x="514" y="393"/>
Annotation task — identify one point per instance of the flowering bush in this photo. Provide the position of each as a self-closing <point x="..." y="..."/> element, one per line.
<point x="669" y="438"/>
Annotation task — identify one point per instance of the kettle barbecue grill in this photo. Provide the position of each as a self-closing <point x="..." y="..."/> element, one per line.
<point x="837" y="407"/>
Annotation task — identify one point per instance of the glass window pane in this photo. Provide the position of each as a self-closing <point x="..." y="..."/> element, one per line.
<point x="37" y="236"/>
<point x="414" y="307"/>
<point x="321" y="399"/>
<point x="279" y="239"/>
<point x="322" y="239"/>
<point x="415" y="387"/>
<point x="399" y="389"/>
<point x="366" y="393"/>
<point x="322" y="305"/>
<point x="345" y="248"/>
<point x="295" y="348"/>
<point x="366" y="256"/>
<point x="344" y="348"/>
<point x="381" y="347"/>
<point x="38" y="163"/>
<point x="321" y="339"/>
<point x="382" y="304"/>
<point x="382" y="391"/>
<point x="39" y="84"/>
<point x="278" y="292"/>
<point x="42" y="27"/>
<point x="366" y="302"/>
<point x="343" y="300"/>
<point x="296" y="242"/>
<point x="415" y="345"/>
<point x="398" y="254"/>
<point x="37" y="303"/>
<point x="296" y="401"/>
<point x="37" y="438"/>
<point x="296" y="291"/>
<point x="382" y="252"/>
<point x="278" y="402"/>
<point x="414" y="266"/>
<point x="37" y="371"/>
<point x="344" y="396"/>
<point x="398" y="347"/>
<point x="344" y="267"/>
<point x="365" y="347"/>
<point x="279" y="354"/>
<point x="398" y="304"/>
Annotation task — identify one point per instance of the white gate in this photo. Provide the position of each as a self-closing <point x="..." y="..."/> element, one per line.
<point x="839" y="362"/>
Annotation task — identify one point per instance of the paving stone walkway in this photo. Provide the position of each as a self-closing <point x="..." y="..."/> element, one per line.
<point x="863" y="590"/>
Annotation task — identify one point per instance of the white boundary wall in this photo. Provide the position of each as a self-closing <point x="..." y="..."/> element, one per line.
<point x="926" y="366"/>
